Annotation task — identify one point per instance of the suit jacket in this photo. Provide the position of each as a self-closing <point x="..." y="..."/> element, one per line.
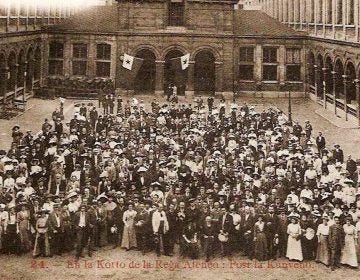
<point x="226" y="225"/>
<point x="145" y="217"/>
<point x="336" y="236"/>
<point x="77" y="219"/>
<point x="53" y="223"/>
<point x="274" y="226"/>
<point x="62" y="187"/>
<point x="247" y="224"/>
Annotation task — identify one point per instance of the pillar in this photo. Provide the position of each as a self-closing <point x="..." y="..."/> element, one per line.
<point x="67" y="57"/>
<point x="357" y="88"/>
<point x="346" y="81"/>
<point x="218" y="77"/>
<point x="334" y="75"/>
<point x="281" y="58"/>
<point x="258" y="63"/>
<point x="316" y="77"/>
<point x="324" y="85"/>
<point x="91" y="68"/>
<point x="159" y="75"/>
<point x="30" y="74"/>
<point x="190" y="79"/>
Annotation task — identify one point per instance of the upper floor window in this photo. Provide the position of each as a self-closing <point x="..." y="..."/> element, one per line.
<point x="176" y="13"/>
<point x="339" y="9"/>
<point x="79" y="64"/>
<point x="270" y="55"/>
<point x="103" y="60"/>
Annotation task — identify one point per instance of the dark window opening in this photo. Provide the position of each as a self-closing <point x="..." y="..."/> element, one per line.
<point x="176" y="13"/>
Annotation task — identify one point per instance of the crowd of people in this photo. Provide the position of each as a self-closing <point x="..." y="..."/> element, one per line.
<point x="201" y="179"/>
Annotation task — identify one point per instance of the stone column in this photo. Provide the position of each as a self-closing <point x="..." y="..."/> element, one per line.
<point x="258" y="63"/>
<point x="346" y="82"/>
<point x="30" y="74"/>
<point x="316" y="75"/>
<point x="357" y="88"/>
<point x="218" y="77"/>
<point x="67" y="57"/>
<point x="282" y="63"/>
<point x="159" y="77"/>
<point x="190" y="78"/>
<point x="91" y="68"/>
<point x="324" y="85"/>
<point x="334" y="76"/>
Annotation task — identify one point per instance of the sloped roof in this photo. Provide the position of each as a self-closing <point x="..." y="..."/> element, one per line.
<point x="253" y="22"/>
<point x="103" y="19"/>
<point x="93" y="19"/>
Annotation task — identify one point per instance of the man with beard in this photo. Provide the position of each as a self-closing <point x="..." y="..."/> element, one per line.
<point x="173" y="228"/>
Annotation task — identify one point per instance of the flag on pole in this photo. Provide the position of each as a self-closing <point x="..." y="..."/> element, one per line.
<point x="130" y="68"/>
<point x="179" y="66"/>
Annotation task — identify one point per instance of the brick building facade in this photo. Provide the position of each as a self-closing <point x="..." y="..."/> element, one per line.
<point x="230" y="49"/>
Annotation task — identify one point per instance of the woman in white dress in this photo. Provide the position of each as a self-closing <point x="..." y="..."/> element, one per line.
<point x="348" y="254"/>
<point x="322" y="254"/>
<point x="294" y="251"/>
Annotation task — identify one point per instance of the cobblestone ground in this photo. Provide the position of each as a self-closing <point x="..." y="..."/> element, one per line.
<point x="107" y="263"/>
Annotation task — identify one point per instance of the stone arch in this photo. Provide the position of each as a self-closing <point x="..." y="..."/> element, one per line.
<point x="328" y="64"/>
<point x="350" y="72"/>
<point x="311" y="69"/>
<point x="21" y="67"/>
<point x="339" y="72"/>
<point x="12" y="66"/>
<point x="30" y="68"/>
<point x="148" y="47"/>
<point x="214" y="52"/>
<point x="172" y="48"/>
<point x="204" y="72"/>
<point x="320" y="76"/>
<point x="37" y="63"/>
<point x="145" y="79"/>
<point x="170" y="76"/>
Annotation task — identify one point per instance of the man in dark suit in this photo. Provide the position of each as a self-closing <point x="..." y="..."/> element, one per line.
<point x="117" y="220"/>
<point x="247" y="228"/>
<point x="226" y="227"/>
<point x="338" y="154"/>
<point x="272" y="225"/>
<point x="320" y="142"/>
<point x="143" y="228"/>
<point x="56" y="230"/>
<point x="336" y="243"/>
<point x="351" y="166"/>
<point x="81" y="224"/>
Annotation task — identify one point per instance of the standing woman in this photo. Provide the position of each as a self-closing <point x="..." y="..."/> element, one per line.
<point x="322" y="254"/>
<point x="348" y="254"/>
<point x="23" y="220"/>
<point x="294" y="251"/>
<point x="129" y="235"/>
<point x="260" y="244"/>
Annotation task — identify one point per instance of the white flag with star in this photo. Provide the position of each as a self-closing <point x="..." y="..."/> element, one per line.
<point x="185" y="59"/>
<point x="128" y="61"/>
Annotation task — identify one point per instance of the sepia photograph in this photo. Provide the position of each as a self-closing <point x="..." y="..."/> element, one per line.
<point x="179" y="139"/>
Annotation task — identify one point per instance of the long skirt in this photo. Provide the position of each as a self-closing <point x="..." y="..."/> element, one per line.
<point x="322" y="254"/>
<point x="260" y="247"/>
<point x="129" y="238"/>
<point x="42" y="245"/>
<point x="294" y="251"/>
<point x="24" y="236"/>
<point x="348" y="254"/>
